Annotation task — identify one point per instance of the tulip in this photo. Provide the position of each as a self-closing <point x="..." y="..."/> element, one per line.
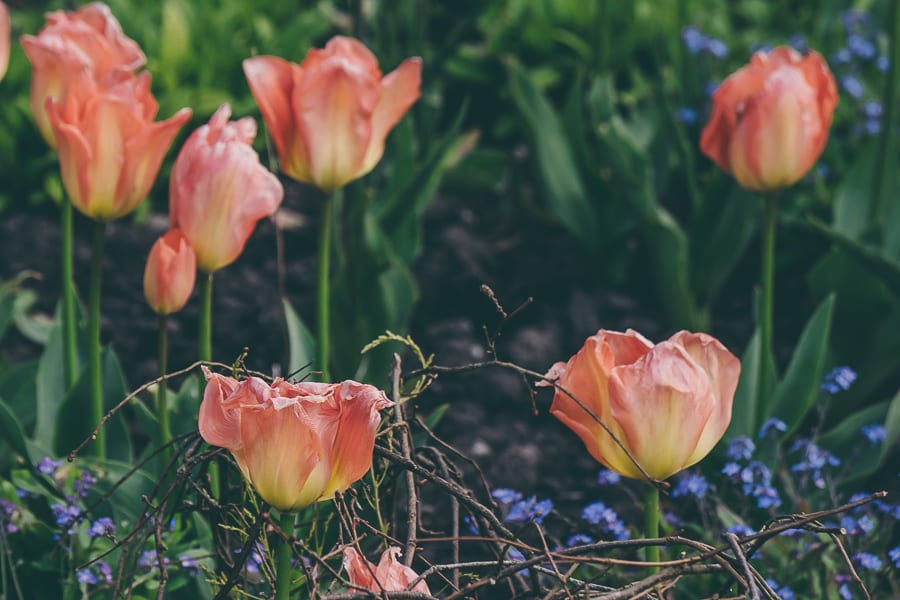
<point x="389" y="576"/>
<point x="771" y="118"/>
<point x="296" y="443"/>
<point x="329" y="115"/>
<point x="668" y="404"/>
<point x="219" y="189"/>
<point x="88" y="41"/>
<point x="170" y="273"/>
<point x="110" y="149"/>
<point x="4" y="39"/>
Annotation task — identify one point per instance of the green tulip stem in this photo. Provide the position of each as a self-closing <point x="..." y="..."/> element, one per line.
<point x="767" y="282"/>
<point x="94" y="367"/>
<point x="162" y="404"/>
<point x="67" y="284"/>
<point x="204" y="333"/>
<point x="283" y="555"/>
<point x="323" y="329"/>
<point x="651" y="522"/>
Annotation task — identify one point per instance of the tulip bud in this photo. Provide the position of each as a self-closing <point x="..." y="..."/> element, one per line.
<point x="389" y="576"/>
<point x="668" y="404"/>
<point x="170" y="273"/>
<point x="771" y="118"/>
<point x="329" y="115"/>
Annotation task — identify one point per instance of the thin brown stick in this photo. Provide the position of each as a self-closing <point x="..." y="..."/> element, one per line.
<point x="412" y="499"/>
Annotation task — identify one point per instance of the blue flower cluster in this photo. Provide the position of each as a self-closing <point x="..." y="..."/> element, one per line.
<point x="815" y="461"/>
<point x="691" y="484"/>
<point x="839" y="380"/>
<point x="597" y="513"/>
<point x="8" y="511"/>
<point x="756" y="481"/>
<point x="875" y="433"/>
<point x="522" y="510"/>
<point x="696" y="42"/>
<point x="95" y="573"/>
<point x="783" y="591"/>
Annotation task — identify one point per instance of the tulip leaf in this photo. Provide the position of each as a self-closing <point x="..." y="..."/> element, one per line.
<point x="853" y="199"/>
<point x="566" y="194"/>
<point x="743" y="412"/>
<point x="846" y="439"/>
<point x="796" y="394"/>
<point x="301" y="344"/>
<point x="12" y="433"/>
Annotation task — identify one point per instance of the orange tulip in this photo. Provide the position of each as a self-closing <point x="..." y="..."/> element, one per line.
<point x="296" y="443"/>
<point x="329" y="115"/>
<point x="109" y="147"/>
<point x="170" y="273"/>
<point x="87" y="41"/>
<point x="4" y="39"/>
<point x="771" y="118"/>
<point x="219" y="190"/>
<point x="668" y="403"/>
<point x="389" y="576"/>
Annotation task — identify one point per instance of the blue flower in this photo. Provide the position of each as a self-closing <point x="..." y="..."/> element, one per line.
<point x="842" y="57"/>
<point x="861" y="46"/>
<point x="816" y="460"/>
<point x="853" y="87"/>
<point x="845" y="592"/>
<point x="86" y="576"/>
<point x="711" y="87"/>
<point x="48" y="466"/>
<point x="693" y="39"/>
<point x="188" y="562"/>
<point x="784" y="593"/>
<point x="872" y="126"/>
<point x="608" y="477"/>
<point x="873" y="109"/>
<point x="875" y="433"/>
<point x="66" y="515"/>
<point x="149" y="560"/>
<point x="841" y="378"/>
<point x="740" y="448"/>
<point x="597" y="513"/>
<point x="772" y="424"/>
<point x="105" y="571"/>
<point x="516" y="555"/>
<point x="741" y="530"/>
<point x="894" y="555"/>
<point x="529" y="509"/>
<point x="506" y="495"/>
<point x="731" y="469"/>
<point x="691" y="484"/>
<point x="799" y="43"/>
<point x="579" y="539"/>
<point x="868" y="561"/>
<point x="686" y="115"/>
<point x="766" y="496"/>
<point x="760" y="47"/>
<point x="470" y="523"/>
<point x="882" y="63"/>
<point x="83" y="484"/>
<point x="101" y="527"/>
<point x="716" y="47"/>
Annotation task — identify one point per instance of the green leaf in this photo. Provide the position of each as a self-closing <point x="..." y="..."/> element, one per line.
<point x="853" y="199"/>
<point x="565" y="190"/>
<point x="301" y="344"/>
<point x="846" y="440"/>
<point x="51" y="387"/>
<point x="743" y="413"/>
<point x="797" y="392"/>
<point x="11" y="432"/>
<point x="884" y="266"/>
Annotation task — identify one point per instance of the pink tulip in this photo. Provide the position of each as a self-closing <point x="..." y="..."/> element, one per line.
<point x="219" y="190"/>
<point x="170" y="273"/>
<point x="296" y="443"/>
<point x="110" y="149"/>
<point x="389" y="576"/>
<point x="771" y="118"/>
<point x="4" y="39"/>
<point x="329" y="115"/>
<point x="668" y="403"/>
<point x="88" y="41"/>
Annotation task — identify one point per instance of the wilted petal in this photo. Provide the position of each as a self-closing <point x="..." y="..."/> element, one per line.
<point x="219" y="426"/>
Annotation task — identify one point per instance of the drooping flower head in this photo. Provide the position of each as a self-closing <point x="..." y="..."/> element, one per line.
<point x="771" y="118"/>
<point x="389" y="576"/>
<point x="296" y="443"/>
<point x="667" y="403"/>
<point x="330" y="114"/>
<point x="86" y="42"/>
<point x="219" y="190"/>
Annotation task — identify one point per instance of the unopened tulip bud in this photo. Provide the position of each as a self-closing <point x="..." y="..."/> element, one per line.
<point x="170" y="273"/>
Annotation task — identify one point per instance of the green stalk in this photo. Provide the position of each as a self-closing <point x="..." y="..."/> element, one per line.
<point x="162" y="404"/>
<point x="70" y="345"/>
<point x="651" y="522"/>
<point x="94" y="367"/>
<point x="323" y="329"/>
<point x="204" y="334"/>
<point x="883" y="169"/>
<point x="767" y="283"/>
<point x="283" y="554"/>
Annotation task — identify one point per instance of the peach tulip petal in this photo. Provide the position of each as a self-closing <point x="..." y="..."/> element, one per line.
<point x="170" y="273"/>
<point x="360" y="572"/>
<point x="399" y="91"/>
<point x="394" y="575"/>
<point x="4" y="39"/>
<point x="271" y="81"/>
<point x="219" y="426"/>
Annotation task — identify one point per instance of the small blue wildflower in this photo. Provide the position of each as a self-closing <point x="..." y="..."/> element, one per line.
<point x="579" y="539"/>
<point x="844" y="592"/>
<point x="672" y="519"/>
<point x="506" y="495"/>
<point x="692" y="484"/>
<point x="766" y="496"/>
<point x="815" y="461"/>
<point x="150" y="560"/>
<point x="741" y="530"/>
<point x="866" y="524"/>
<point x="516" y="555"/>
<point x="853" y="87"/>
<point x="839" y="379"/>
<point x="686" y="115"/>
<point x="798" y="42"/>
<point x="86" y="576"/>
<point x="608" y="477"/>
<point x="731" y="469"/>
<point x="48" y="466"/>
<point x="770" y="425"/>
<point x="853" y="19"/>
<point x="850" y="525"/>
<point x="784" y="592"/>
<point x="872" y="126"/>
<point x="711" y="87"/>
<point x="693" y="39"/>
<point x="861" y="46"/>
<point x="716" y="47"/>
<point x="882" y="63"/>
<point x="842" y="57"/>
<point x="894" y="555"/>
<point x="868" y="560"/>
<point x="66" y="515"/>
<point x="741" y="448"/>
<point x="83" y="484"/>
<point x="760" y="47"/>
<point x="105" y="571"/>
<point x="875" y="433"/>
<point x="188" y="562"/>
<point x="470" y="524"/>
<point x="101" y="527"/>
<point x="823" y="170"/>
<point x="597" y="513"/>
<point x="254" y="559"/>
<point x="529" y="509"/>
<point x="873" y="109"/>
